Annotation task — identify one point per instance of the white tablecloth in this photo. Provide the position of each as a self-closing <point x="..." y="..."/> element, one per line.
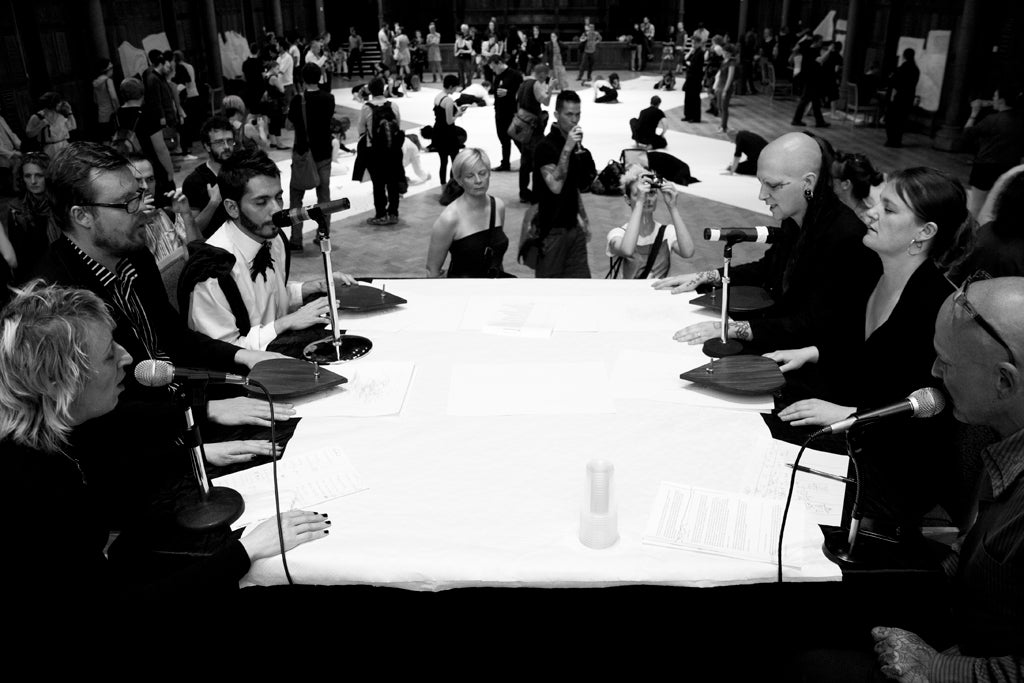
<point x="495" y="500"/>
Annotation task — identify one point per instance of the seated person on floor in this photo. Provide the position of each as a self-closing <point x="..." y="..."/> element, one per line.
<point x="472" y="94"/>
<point x="167" y="230"/>
<point x="606" y="90"/>
<point x="906" y="468"/>
<point x="857" y="183"/>
<point x="61" y="370"/>
<point x="667" y="82"/>
<point x="642" y="248"/>
<point x="411" y="150"/>
<point x="471" y="228"/>
<point x="818" y="251"/>
<point x="749" y="145"/>
<point x="235" y="287"/>
<point x="340" y="126"/>
<point x="646" y="130"/>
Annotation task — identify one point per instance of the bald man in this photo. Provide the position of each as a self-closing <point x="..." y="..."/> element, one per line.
<point x="979" y="342"/>
<point x="810" y="269"/>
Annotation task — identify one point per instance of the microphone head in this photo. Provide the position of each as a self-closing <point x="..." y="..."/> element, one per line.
<point x="927" y="402"/>
<point x="154" y="373"/>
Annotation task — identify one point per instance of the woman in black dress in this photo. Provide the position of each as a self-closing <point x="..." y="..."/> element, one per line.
<point x="694" y="81"/>
<point x="445" y="136"/>
<point x="470" y="228"/>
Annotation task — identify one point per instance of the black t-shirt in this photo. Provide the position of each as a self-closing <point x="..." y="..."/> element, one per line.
<point x="145" y="123"/>
<point x="510" y="79"/>
<point x="647" y="123"/>
<point x="555" y="210"/>
<point x="198" y="196"/>
<point x="319" y="110"/>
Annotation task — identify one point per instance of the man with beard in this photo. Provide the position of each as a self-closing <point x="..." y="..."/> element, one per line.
<point x="235" y="287"/>
<point x="200" y="186"/>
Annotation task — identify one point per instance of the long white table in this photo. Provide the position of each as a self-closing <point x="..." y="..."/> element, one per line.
<point x="456" y="501"/>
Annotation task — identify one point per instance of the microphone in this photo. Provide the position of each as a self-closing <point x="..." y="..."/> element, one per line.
<point x="761" y="234"/>
<point x="160" y="373"/>
<point x="926" y="402"/>
<point x="288" y="217"/>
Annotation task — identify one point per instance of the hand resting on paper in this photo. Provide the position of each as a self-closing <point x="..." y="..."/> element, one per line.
<point x="247" y="411"/>
<point x="230" y="452"/>
<point x="298" y="526"/>
<point x="794" y="359"/>
<point x="813" y="412"/>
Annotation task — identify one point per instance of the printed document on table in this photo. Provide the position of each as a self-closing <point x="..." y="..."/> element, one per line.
<point x="305" y="479"/>
<point x="722" y="523"/>
<point x="518" y="316"/>
<point x="373" y="388"/>
<point x="529" y="389"/>
<point x="767" y="476"/>
<point x="655" y="376"/>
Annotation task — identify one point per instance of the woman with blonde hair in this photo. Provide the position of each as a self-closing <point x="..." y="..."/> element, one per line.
<point x="471" y="227"/>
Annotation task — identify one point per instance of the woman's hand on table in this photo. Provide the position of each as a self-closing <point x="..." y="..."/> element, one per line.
<point x="232" y="452"/>
<point x="247" y="411"/>
<point x="298" y="527"/>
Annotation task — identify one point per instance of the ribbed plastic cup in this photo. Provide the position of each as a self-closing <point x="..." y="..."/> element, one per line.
<point x="599" y="518"/>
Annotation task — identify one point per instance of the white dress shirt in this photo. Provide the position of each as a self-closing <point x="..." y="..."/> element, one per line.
<point x="265" y="299"/>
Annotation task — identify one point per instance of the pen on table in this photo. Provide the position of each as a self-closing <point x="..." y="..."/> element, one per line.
<point x="827" y="475"/>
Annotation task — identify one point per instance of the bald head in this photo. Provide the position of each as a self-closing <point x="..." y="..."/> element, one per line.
<point x="982" y="376"/>
<point x="794" y="154"/>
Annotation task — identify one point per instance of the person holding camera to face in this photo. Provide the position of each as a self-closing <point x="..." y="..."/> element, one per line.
<point x="51" y="126"/>
<point x="642" y="248"/>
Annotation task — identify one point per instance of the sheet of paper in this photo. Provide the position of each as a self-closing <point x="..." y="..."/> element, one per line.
<point x="425" y="314"/>
<point x="722" y="523"/>
<point x="516" y="316"/>
<point x="529" y="389"/>
<point x="649" y="312"/>
<point x="655" y="376"/>
<point x="767" y="476"/>
<point x="305" y="479"/>
<point x="373" y="388"/>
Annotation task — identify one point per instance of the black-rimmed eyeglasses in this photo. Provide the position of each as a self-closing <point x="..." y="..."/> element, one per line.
<point x="130" y="206"/>
<point x="960" y="298"/>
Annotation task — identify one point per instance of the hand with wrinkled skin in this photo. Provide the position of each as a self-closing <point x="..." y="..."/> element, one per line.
<point x="903" y="655"/>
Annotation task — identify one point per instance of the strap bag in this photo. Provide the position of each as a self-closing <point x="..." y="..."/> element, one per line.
<point x="615" y="264"/>
<point x="304" y="172"/>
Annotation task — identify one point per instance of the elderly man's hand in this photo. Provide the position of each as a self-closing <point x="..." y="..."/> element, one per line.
<point x="904" y="656"/>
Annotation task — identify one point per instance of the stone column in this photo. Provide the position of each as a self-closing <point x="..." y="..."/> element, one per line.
<point x="321" y="21"/>
<point x="954" y="86"/>
<point x="275" y="10"/>
<point x="784" y="20"/>
<point x="212" y="47"/>
<point x="98" y="29"/>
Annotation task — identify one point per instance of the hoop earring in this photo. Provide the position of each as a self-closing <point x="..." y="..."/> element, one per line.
<point x="808" y="194"/>
<point x="915" y="243"/>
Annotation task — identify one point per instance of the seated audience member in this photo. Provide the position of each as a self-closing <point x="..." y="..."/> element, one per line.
<point x="903" y="471"/>
<point x="667" y="82"/>
<point x="807" y="269"/>
<point x="235" y="286"/>
<point x="748" y="145"/>
<point x="635" y="241"/>
<point x="471" y="228"/>
<point x="60" y="370"/>
<point x="167" y="230"/>
<point x="411" y="149"/>
<point x="979" y="339"/>
<point x="645" y="126"/>
<point x="998" y="246"/>
<point x="29" y="219"/>
<point x="606" y="90"/>
<point x="200" y="186"/>
<point x="857" y="183"/>
<point x="97" y="204"/>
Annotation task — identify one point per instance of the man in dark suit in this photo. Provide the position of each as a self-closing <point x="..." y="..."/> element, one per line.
<point x="504" y="88"/>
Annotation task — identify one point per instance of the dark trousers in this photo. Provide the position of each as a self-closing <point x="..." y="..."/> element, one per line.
<point x="564" y="254"/>
<point x="385" y="174"/>
<point x="586" y="64"/>
<point x="525" y="166"/>
<point x="465" y="64"/>
<point x="502" y="120"/>
<point x="813" y="97"/>
<point x="896" y="122"/>
<point x="355" y="61"/>
<point x="323" y="194"/>
<point x="723" y="106"/>
<point x="691" y="106"/>
<point x="610" y="95"/>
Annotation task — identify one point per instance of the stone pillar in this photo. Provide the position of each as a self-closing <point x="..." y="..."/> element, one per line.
<point x="742" y="27"/>
<point x="954" y="86"/>
<point x="98" y="29"/>
<point x="275" y="10"/>
<point x="212" y="47"/>
<point x="321" y="20"/>
<point x="784" y="19"/>
<point x="851" y="49"/>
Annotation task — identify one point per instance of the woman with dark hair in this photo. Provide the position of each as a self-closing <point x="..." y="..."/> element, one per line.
<point x="911" y="230"/>
<point x="445" y="136"/>
<point x="856" y="182"/>
<point x="29" y="219"/>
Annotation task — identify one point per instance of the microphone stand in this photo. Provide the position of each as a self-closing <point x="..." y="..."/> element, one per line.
<point x="328" y="349"/>
<point x="208" y="506"/>
<point x="719" y="348"/>
<point x="839" y="545"/>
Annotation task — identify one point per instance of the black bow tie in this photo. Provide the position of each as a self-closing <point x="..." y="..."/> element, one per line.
<point x="261" y="262"/>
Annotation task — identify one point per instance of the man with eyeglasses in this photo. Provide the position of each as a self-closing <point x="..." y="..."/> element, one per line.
<point x="97" y="204"/>
<point x="200" y="186"/>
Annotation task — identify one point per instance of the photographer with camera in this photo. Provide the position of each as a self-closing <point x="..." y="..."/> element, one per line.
<point x="641" y="248"/>
<point x="562" y="167"/>
<point x="52" y="124"/>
